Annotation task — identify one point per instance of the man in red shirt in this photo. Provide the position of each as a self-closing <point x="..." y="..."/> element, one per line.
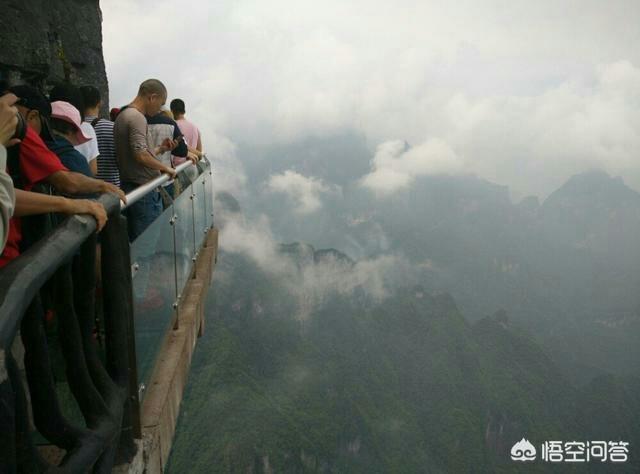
<point x="37" y="164"/>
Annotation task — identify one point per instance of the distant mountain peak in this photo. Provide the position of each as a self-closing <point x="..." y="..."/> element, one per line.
<point x="593" y="184"/>
<point x="226" y="202"/>
<point x="304" y="253"/>
<point x="529" y="204"/>
<point x="332" y="254"/>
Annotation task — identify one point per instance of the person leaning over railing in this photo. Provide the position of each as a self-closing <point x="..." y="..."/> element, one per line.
<point x="161" y="128"/>
<point x="38" y="161"/>
<point x="67" y="92"/>
<point x="192" y="154"/>
<point x="30" y="163"/>
<point x="191" y="132"/>
<point x="28" y="203"/>
<point x="67" y="134"/>
<point x="137" y="158"/>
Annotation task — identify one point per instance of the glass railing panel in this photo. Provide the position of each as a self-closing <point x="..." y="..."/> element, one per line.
<point x="199" y="204"/>
<point x="183" y="208"/>
<point x="209" y="195"/>
<point x="162" y="260"/>
<point x="154" y="290"/>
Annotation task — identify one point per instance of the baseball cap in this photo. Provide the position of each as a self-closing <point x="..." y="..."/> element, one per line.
<point x="65" y="111"/>
<point x="32" y="99"/>
<point x="113" y="113"/>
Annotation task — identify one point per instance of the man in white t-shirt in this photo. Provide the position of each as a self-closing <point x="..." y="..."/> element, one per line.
<point x="90" y="149"/>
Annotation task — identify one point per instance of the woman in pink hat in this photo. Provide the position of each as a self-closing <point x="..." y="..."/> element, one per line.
<point x="67" y="133"/>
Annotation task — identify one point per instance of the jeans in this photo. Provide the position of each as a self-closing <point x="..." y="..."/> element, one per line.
<point x="143" y="212"/>
<point x="170" y="189"/>
<point x="168" y="198"/>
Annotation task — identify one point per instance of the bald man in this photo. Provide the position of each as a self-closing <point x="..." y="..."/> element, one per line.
<point x="136" y="158"/>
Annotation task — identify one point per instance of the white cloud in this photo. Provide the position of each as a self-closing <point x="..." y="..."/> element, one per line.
<point x="527" y="92"/>
<point x="395" y="165"/>
<point x="535" y="142"/>
<point x="228" y="172"/>
<point x="253" y="239"/>
<point x="305" y="192"/>
<point x="311" y="284"/>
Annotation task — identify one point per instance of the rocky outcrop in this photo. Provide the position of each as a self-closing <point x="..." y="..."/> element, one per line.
<point x="45" y="42"/>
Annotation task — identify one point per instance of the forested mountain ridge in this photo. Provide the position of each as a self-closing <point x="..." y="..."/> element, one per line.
<point x="361" y="383"/>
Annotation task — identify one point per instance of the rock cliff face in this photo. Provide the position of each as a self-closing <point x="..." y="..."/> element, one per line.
<point x="44" y="42"/>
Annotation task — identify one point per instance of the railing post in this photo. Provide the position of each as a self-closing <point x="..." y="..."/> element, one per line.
<point x="193" y="224"/>
<point x="7" y="415"/>
<point x="212" y="196"/>
<point x="108" y="394"/>
<point x="176" y="301"/>
<point x="26" y="457"/>
<point x="119" y="324"/>
<point x="204" y="204"/>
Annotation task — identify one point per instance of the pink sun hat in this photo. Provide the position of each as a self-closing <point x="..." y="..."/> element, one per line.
<point x="67" y="112"/>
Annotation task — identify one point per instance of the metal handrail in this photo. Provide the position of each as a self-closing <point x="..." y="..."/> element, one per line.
<point x="102" y="390"/>
<point x="104" y="384"/>
<point x="22" y="278"/>
<point x="146" y="188"/>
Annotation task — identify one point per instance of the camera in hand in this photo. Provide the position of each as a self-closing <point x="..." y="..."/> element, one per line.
<point x="21" y="128"/>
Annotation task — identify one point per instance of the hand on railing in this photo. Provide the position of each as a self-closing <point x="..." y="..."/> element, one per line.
<point x="193" y="157"/>
<point x="113" y="189"/>
<point x="30" y="203"/>
<point x="93" y="208"/>
<point x="170" y="171"/>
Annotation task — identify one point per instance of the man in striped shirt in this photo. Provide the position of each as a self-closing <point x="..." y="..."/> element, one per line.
<point x="107" y="164"/>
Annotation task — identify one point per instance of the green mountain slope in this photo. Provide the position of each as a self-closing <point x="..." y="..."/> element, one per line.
<point x="359" y="383"/>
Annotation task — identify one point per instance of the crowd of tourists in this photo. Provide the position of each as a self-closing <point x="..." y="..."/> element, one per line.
<point x="58" y="154"/>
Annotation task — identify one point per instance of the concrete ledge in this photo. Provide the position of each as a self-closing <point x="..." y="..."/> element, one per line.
<point x="136" y="465"/>
<point x="161" y="404"/>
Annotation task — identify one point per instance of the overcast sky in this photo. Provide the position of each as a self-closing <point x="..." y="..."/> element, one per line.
<point x="523" y="93"/>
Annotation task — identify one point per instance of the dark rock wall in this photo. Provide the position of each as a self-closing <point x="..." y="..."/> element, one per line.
<point x="44" y="42"/>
